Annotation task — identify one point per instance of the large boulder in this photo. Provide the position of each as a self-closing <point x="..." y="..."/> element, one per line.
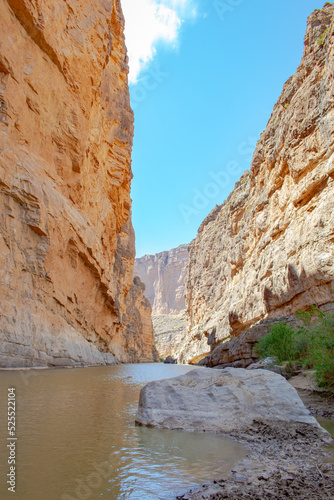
<point x="227" y="401"/>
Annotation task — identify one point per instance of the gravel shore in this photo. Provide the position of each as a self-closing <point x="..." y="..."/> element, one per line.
<point x="283" y="462"/>
<point x="311" y="483"/>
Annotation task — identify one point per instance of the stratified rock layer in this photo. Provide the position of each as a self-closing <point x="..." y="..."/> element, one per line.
<point x="66" y="238"/>
<point x="268" y="250"/>
<point x="239" y="351"/>
<point x="169" y="331"/>
<point x="164" y="275"/>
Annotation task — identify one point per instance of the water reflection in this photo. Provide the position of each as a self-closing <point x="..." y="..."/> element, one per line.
<point x="77" y="439"/>
<point x="327" y="424"/>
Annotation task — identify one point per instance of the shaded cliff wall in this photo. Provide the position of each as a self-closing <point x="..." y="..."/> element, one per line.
<point x="66" y="238"/>
<point x="269" y="249"/>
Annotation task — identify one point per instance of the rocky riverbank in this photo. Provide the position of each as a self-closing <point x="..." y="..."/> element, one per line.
<point x="317" y="401"/>
<point x="311" y="483"/>
<point x="290" y="455"/>
<point x="286" y="464"/>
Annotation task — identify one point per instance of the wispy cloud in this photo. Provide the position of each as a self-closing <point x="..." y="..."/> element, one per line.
<point x="148" y="22"/>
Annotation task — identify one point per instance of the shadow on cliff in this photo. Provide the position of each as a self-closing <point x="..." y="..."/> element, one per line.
<point x="298" y="290"/>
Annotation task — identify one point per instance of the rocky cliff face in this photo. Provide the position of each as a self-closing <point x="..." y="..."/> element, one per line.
<point x="66" y="239"/>
<point x="169" y="330"/>
<point x="269" y="249"/>
<point x="164" y="275"/>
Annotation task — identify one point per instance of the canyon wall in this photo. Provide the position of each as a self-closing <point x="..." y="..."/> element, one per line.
<point x="66" y="239"/>
<point x="169" y="332"/>
<point x="164" y="275"/>
<point x="269" y="249"/>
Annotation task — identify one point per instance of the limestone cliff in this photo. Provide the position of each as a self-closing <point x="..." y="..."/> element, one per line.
<point x="163" y="275"/>
<point x="66" y="238"/>
<point x="269" y="249"/>
<point x="169" y="332"/>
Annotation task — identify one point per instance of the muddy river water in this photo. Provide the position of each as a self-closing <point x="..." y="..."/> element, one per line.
<point x="77" y="440"/>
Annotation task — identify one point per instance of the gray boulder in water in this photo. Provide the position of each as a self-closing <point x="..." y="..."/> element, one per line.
<point x="225" y="401"/>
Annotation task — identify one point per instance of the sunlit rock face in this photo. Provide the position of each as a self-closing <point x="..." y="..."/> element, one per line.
<point x="66" y="238"/>
<point x="268" y="250"/>
<point x="169" y="330"/>
<point x="164" y="275"/>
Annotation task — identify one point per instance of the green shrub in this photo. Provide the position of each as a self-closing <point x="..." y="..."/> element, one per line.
<point x="325" y="374"/>
<point x="321" y="40"/>
<point x="320" y="352"/>
<point x="311" y="346"/>
<point x="278" y="343"/>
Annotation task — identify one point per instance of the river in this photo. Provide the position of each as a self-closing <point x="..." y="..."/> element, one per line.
<point x="77" y="440"/>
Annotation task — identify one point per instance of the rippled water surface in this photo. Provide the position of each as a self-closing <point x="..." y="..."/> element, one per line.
<point x="77" y="439"/>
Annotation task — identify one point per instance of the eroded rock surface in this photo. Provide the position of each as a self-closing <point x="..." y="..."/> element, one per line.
<point x="66" y="238"/>
<point x="164" y="275"/>
<point x="269" y="249"/>
<point x="239" y="351"/>
<point x="169" y="331"/>
<point x="228" y="401"/>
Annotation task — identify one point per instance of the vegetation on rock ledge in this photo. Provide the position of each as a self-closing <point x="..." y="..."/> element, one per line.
<point x="311" y="345"/>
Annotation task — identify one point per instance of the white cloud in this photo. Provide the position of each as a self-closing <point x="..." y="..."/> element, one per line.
<point x="148" y="22"/>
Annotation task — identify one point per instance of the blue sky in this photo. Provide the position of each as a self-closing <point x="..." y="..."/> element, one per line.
<point x="204" y="76"/>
